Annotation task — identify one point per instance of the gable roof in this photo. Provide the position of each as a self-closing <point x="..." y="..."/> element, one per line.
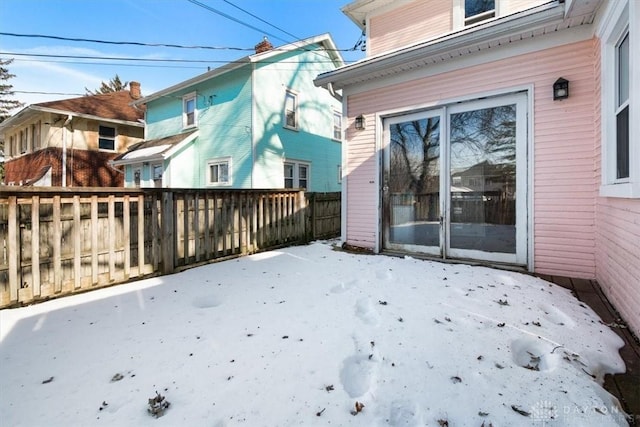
<point x="115" y="107"/>
<point x="155" y="149"/>
<point x="323" y="40"/>
<point x="547" y="18"/>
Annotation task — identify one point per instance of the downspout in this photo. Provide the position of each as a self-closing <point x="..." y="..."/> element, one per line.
<point x="64" y="149"/>
<point x="253" y="124"/>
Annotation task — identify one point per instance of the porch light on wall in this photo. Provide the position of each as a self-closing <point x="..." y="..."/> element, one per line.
<point x="560" y="89"/>
<point x="360" y="122"/>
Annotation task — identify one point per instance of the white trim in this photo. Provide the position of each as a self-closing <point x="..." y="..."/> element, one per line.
<point x="296" y="172"/>
<point x="186" y="98"/>
<point x="619" y="18"/>
<point x="522" y="96"/>
<point x="296" y="111"/>
<point x="219" y="161"/>
<point x="523" y="47"/>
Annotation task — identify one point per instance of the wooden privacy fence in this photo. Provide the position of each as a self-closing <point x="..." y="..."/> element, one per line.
<point x="61" y="241"/>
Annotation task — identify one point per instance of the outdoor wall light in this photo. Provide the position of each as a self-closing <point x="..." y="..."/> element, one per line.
<point x="360" y="122"/>
<point x="561" y="89"/>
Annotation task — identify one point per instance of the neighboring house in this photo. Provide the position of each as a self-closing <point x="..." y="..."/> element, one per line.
<point x="258" y="122"/>
<point x="69" y="143"/>
<point x="544" y="95"/>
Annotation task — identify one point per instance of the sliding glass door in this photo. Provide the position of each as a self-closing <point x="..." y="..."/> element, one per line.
<point x="455" y="181"/>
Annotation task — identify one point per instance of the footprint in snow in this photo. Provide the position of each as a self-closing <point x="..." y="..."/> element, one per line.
<point x="367" y="312"/>
<point x="207" y="301"/>
<point x="358" y="374"/>
<point x="534" y="354"/>
<point x="405" y="413"/>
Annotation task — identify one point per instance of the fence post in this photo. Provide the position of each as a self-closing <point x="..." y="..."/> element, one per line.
<point x="302" y="215"/>
<point x="14" y="250"/>
<point x="167" y="245"/>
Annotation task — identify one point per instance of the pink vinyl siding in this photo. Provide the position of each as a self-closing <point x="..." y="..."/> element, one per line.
<point x="618" y="255"/>
<point x="617" y="236"/>
<point x="512" y="6"/>
<point x="409" y="24"/>
<point x="564" y="138"/>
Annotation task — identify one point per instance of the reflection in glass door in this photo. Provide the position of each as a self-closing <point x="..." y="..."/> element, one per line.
<point x="450" y="181"/>
<point x="412" y="189"/>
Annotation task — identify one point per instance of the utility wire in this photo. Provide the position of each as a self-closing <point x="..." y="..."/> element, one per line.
<point x="178" y="46"/>
<point x="112" y="58"/>
<point x="261" y="20"/>
<point x="74" y="39"/>
<point x="216" y="11"/>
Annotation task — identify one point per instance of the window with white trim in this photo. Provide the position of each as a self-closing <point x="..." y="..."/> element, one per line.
<point x="337" y="125"/>
<point x="291" y="110"/>
<point x="106" y="138"/>
<point x="189" y="113"/>
<point x="35" y="136"/>
<point x="478" y="10"/>
<point x="620" y="35"/>
<point x="622" y="108"/>
<point x="219" y="171"/>
<point x="296" y="175"/>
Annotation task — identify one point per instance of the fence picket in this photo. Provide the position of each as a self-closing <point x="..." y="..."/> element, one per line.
<point x="74" y="239"/>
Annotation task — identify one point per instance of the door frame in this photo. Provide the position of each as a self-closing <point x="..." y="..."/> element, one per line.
<point x="527" y="91"/>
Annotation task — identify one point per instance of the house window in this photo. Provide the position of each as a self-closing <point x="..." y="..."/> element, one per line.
<point x="189" y="110"/>
<point x="296" y="175"/>
<point x="156" y="173"/>
<point x="107" y="138"/>
<point x="23" y="141"/>
<point x="620" y="35"/>
<point x="219" y="172"/>
<point x="478" y="10"/>
<point x="622" y="109"/>
<point x="337" y="126"/>
<point x="291" y="110"/>
<point x="35" y="136"/>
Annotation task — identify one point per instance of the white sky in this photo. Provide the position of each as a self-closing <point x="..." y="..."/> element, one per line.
<point x="277" y="338"/>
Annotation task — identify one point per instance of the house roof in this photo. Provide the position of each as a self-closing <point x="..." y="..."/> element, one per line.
<point x="115" y="107"/>
<point x="155" y="149"/>
<point x="546" y="18"/>
<point x="324" y="40"/>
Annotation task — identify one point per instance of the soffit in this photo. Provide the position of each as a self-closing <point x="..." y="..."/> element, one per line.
<point x="535" y="22"/>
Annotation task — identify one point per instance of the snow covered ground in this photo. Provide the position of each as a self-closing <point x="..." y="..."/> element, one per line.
<point x="297" y="336"/>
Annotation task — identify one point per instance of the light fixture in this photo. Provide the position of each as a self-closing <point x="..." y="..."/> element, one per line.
<point x="561" y="89"/>
<point x="360" y="122"/>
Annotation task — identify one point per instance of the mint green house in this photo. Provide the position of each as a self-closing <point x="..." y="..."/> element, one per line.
<point x="258" y="122"/>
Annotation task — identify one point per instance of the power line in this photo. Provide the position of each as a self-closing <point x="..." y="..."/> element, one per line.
<point x="261" y="20"/>
<point x="224" y="15"/>
<point x="77" y="39"/>
<point x="112" y="58"/>
<point x="143" y="44"/>
<point x="47" y="93"/>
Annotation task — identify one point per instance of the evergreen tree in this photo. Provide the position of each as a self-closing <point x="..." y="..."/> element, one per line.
<point x="114" y="85"/>
<point x="6" y="103"/>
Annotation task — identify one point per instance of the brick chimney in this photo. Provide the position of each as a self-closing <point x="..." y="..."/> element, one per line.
<point x="263" y="46"/>
<point x="134" y="90"/>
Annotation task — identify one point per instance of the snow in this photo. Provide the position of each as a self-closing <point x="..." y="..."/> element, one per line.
<point x="297" y="336"/>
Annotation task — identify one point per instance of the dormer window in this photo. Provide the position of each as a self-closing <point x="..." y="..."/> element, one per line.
<point x="478" y="10"/>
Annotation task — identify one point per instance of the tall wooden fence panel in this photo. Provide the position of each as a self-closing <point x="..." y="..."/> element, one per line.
<point x="56" y="242"/>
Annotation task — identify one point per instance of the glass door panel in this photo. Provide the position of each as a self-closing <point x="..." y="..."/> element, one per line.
<point x="412" y="183"/>
<point x="483" y="179"/>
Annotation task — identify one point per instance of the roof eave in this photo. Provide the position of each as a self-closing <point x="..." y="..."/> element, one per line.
<point x="511" y="25"/>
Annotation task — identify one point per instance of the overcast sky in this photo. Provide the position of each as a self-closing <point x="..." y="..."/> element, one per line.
<point x="210" y="23"/>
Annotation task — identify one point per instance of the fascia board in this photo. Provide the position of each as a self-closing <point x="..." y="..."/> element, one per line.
<point x="31" y="110"/>
<point x="512" y="25"/>
<point x="170" y="152"/>
<point x="322" y="39"/>
<point x="231" y="66"/>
